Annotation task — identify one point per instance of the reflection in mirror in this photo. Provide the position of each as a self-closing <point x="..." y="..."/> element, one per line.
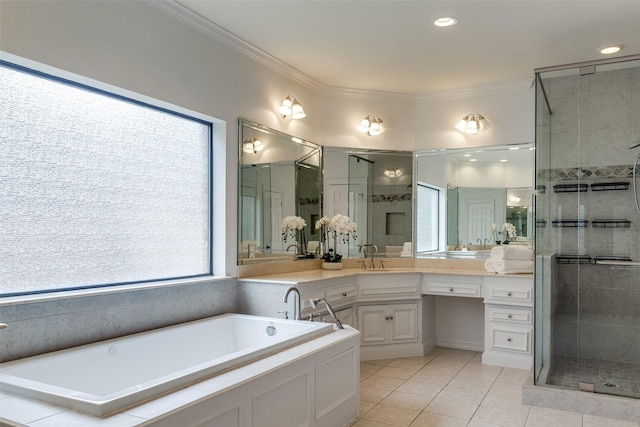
<point x="279" y="176"/>
<point x="465" y="191"/>
<point x="374" y="188"/>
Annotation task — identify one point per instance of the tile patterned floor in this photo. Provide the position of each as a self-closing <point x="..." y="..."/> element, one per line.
<point x="451" y="387"/>
<point x="625" y="376"/>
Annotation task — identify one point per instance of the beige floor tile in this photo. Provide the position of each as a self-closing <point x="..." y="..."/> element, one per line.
<point x="427" y="419"/>
<point x="545" y="417"/>
<point x="409" y="363"/>
<point x="471" y="383"/>
<point x="594" y="421"/>
<point x="385" y="383"/>
<point x="504" y="395"/>
<point x="391" y="415"/>
<point x="433" y="377"/>
<point x="407" y="400"/>
<point x="512" y="375"/>
<point x="401" y="373"/>
<point x="367" y="369"/>
<point x="457" y="393"/>
<point x="515" y="417"/>
<point x="461" y="408"/>
<point x="372" y="395"/>
<point x="367" y="423"/>
<point x="365" y="407"/>
<point x="480" y="371"/>
<point x="382" y="362"/>
<point x="420" y="387"/>
<point x="476" y="423"/>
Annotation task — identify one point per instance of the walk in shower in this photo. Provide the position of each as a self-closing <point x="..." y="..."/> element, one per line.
<point x="588" y="227"/>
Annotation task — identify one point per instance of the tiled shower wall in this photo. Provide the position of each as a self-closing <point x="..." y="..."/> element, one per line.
<point x="595" y="119"/>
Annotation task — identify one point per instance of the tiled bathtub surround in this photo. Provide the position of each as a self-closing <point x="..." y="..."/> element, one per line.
<point x="62" y="322"/>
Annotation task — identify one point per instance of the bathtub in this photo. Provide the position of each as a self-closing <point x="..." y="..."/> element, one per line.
<point x="108" y="376"/>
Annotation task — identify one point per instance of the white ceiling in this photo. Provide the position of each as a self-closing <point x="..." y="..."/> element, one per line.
<point x="393" y="46"/>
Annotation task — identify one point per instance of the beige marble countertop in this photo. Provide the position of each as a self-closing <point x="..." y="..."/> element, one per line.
<point x="458" y="267"/>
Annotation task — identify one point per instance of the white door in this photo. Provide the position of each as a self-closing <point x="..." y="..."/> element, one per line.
<point x="373" y="324"/>
<point x="480" y="215"/>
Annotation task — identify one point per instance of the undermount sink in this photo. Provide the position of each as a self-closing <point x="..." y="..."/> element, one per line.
<point x="481" y="254"/>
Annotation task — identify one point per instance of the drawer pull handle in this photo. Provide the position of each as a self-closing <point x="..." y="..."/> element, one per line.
<point x="450" y="289"/>
<point x="388" y="318"/>
<point x="508" y="294"/>
<point x="509" y="339"/>
<point x="344" y="294"/>
<point x="509" y="316"/>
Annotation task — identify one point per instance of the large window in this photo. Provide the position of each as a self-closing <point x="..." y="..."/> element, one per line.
<point x="97" y="189"/>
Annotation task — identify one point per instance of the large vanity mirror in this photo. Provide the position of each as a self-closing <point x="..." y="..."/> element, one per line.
<point x="279" y="175"/>
<point x="374" y="188"/>
<point x="461" y="193"/>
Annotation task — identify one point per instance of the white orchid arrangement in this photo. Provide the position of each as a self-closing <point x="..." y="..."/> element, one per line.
<point x="509" y="229"/>
<point x="290" y="225"/>
<point x="338" y="226"/>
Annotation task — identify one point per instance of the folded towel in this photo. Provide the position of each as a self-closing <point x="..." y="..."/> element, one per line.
<point x="512" y="266"/>
<point x="488" y="265"/>
<point x="512" y="252"/>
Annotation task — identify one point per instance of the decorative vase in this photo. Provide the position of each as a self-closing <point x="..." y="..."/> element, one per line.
<point x="332" y="265"/>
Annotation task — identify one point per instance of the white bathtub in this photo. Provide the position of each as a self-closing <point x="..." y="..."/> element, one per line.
<point x="106" y="377"/>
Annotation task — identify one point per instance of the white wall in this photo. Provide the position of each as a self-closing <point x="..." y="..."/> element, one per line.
<point x="136" y="46"/>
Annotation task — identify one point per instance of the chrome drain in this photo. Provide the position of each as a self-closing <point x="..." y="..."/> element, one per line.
<point x="610" y="385"/>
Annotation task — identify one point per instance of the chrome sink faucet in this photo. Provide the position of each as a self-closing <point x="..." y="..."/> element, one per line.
<point x="294" y="246"/>
<point x="374" y="251"/>
<point x="296" y="301"/>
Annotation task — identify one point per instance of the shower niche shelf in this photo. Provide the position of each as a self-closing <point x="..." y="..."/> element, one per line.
<point x="570" y="223"/>
<point x="573" y="259"/>
<point x="611" y="223"/>
<point x="570" y="188"/>
<point x="609" y="186"/>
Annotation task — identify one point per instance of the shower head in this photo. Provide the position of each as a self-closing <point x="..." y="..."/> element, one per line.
<point x="634" y="145"/>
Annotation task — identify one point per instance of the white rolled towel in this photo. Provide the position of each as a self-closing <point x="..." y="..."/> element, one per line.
<point x="512" y="252"/>
<point x="488" y="265"/>
<point x="512" y="266"/>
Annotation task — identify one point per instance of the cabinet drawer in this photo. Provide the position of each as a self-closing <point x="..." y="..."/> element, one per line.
<point x="453" y="289"/>
<point x="341" y="296"/>
<point x="507" y="337"/>
<point x="509" y="315"/>
<point x="518" y="293"/>
<point x="388" y="286"/>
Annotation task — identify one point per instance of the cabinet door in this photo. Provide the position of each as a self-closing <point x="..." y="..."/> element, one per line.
<point x="404" y="323"/>
<point x="346" y="316"/>
<point x="372" y="323"/>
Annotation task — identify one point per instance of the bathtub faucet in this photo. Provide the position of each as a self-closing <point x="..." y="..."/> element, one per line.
<point x="314" y="302"/>
<point x="296" y="302"/>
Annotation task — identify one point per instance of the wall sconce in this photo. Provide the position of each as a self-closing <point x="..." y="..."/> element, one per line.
<point x="291" y="107"/>
<point x="515" y="199"/>
<point x="371" y="125"/>
<point x="393" y="173"/>
<point x="472" y="124"/>
<point x="252" y="146"/>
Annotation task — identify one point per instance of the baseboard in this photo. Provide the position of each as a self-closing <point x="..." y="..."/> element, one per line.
<point x="507" y="360"/>
<point x="377" y="352"/>
<point x="461" y="344"/>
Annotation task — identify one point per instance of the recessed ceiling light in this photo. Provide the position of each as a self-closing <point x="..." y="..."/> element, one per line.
<point x="514" y="148"/>
<point x="467" y="155"/>
<point x="609" y="50"/>
<point x="445" y="21"/>
<point x="503" y="160"/>
<point x="473" y="160"/>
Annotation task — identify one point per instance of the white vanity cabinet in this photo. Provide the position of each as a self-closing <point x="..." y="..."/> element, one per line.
<point x="508" y="321"/>
<point x="340" y="293"/>
<point x="394" y="319"/>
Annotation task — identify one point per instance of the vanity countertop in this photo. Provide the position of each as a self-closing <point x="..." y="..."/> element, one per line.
<point x="299" y="277"/>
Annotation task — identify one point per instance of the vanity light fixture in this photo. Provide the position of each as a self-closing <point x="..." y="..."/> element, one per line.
<point x="291" y="107"/>
<point x="371" y="125"/>
<point x="610" y="50"/>
<point x="515" y="198"/>
<point x="252" y="146"/>
<point x="472" y="124"/>
<point x="392" y="173"/>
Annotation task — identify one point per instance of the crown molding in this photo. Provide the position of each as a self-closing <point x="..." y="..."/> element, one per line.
<point x="509" y="87"/>
<point x="230" y="40"/>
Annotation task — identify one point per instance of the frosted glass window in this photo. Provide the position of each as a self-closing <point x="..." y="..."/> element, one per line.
<point x="427" y="218"/>
<point x="96" y="189"/>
